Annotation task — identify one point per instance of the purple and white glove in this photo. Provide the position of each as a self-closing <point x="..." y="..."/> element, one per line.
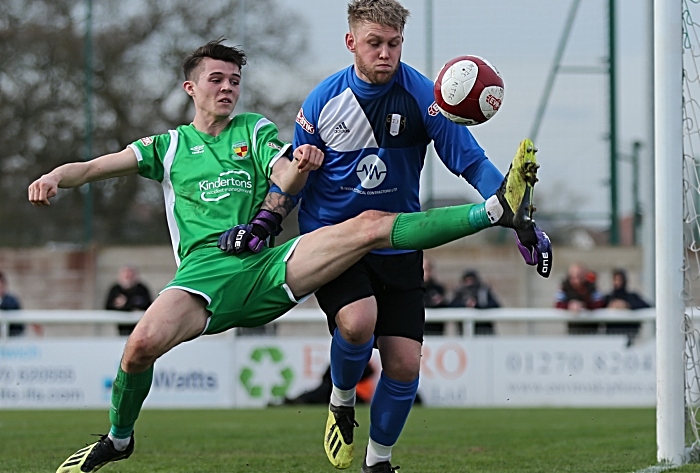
<point x="536" y="249"/>
<point x="251" y="236"/>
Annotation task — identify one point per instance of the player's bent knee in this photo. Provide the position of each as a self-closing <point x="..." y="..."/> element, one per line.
<point x="140" y="351"/>
<point x="356" y="331"/>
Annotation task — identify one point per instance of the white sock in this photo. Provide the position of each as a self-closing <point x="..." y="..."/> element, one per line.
<point x="119" y="444"/>
<point x="342" y="397"/>
<point x="494" y="210"/>
<point x="377" y="453"/>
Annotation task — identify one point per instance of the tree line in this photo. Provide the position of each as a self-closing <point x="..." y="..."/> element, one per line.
<point x="134" y="82"/>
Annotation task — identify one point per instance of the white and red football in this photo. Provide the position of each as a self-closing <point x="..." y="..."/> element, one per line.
<point x="469" y="90"/>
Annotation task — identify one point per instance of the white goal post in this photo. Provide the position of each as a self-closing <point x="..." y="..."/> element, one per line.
<point x="676" y="35"/>
<point x="668" y="131"/>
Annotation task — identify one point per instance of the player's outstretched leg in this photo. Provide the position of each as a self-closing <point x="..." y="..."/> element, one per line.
<point x="510" y="207"/>
<point x="516" y="191"/>
<point x="95" y="456"/>
<point x="338" y="440"/>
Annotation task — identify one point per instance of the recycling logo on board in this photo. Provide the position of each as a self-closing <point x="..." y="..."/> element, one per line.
<point x="283" y="375"/>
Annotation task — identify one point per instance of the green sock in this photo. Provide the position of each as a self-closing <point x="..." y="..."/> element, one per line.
<point x="423" y="230"/>
<point x="128" y="393"/>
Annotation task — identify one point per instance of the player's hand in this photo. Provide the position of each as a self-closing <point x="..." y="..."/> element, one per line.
<point x="239" y="239"/>
<point x="536" y="248"/>
<point x="308" y="157"/>
<point x="251" y="236"/>
<point x="120" y="301"/>
<point x="41" y="190"/>
<point x="575" y="305"/>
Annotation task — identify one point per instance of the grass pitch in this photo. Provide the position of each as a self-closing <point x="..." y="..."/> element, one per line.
<point x="289" y="440"/>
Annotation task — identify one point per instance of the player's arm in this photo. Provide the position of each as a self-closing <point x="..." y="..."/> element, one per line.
<point x="291" y="175"/>
<point x="483" y="176"/>
<point x="279" y="202"/>
<point x="288" y="177"/>
<point x="78" y="173"/>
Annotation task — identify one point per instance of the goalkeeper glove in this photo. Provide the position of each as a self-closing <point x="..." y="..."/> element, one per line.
<point x="536" y="248"/>
<point x="251" y="236"/>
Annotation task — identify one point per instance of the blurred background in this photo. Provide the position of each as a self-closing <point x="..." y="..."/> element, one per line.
<point x="81" y="78"/>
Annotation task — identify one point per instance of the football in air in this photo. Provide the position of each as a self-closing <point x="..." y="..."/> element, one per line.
<point x="469" y="90"/>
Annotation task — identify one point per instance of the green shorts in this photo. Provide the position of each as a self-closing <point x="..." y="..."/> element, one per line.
<point x="246" y="290"/>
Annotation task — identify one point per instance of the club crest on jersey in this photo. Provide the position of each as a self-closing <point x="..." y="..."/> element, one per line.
<point x="240" y="149"/>
<point x="433" y="110"/>
<point x="395" y="123"/>
<point x="146" y="141"/>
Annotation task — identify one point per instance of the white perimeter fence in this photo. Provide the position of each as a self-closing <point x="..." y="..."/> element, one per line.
<point x="530" y="361"/>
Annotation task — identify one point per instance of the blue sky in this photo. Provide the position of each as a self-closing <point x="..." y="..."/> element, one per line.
<point x="520" y="38"/>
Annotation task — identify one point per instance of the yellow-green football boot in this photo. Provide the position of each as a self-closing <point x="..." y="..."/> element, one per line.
<point x="516" y="192"/>
<point x="338" y="440"/>
<point x="93" y="457"/>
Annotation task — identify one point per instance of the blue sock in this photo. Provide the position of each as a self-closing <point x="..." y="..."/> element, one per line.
<point x="390" y="407"/>
<point x="348" y="361"/>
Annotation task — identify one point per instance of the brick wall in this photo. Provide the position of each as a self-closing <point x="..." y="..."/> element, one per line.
<point x="50" y="278"/>
<point x="70" y="278"/>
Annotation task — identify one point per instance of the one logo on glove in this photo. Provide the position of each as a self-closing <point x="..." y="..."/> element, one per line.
<point x="543" y="268"/>
<point x="239" y="239"/>
<point x="536" y="248"/>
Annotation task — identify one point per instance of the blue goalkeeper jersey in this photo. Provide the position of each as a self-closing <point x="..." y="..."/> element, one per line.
<point x="375" y="139"/>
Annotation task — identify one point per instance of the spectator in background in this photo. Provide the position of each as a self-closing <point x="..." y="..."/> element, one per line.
<point x="473" y="293"/>
<point x="578" y="292"/>
<point x="434" y="290"/>
<point x="9" y="302"/>
<point x="621" y="298"/>
<point x="322" y="393"/>
<point x="128" y="294"/>
<point x="435" y="296"/>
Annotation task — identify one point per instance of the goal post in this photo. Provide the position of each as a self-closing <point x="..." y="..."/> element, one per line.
<point x="670" y="306"/>
<point x="676" y="39"/>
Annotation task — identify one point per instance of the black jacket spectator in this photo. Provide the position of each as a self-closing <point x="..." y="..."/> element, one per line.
<point x="128" y="294"/>
<point x="620" y="297"/>
<point x="473" y="293"/>
<point x="10" y="302"/>
<point x="434" y="291"/>
<point x="137" y="297"/>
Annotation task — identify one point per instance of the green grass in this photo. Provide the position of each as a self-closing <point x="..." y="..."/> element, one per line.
<point x="288" y="439"/>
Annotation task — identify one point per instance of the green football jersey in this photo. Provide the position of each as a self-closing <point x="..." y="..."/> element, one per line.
<point x="210" y="183"/>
